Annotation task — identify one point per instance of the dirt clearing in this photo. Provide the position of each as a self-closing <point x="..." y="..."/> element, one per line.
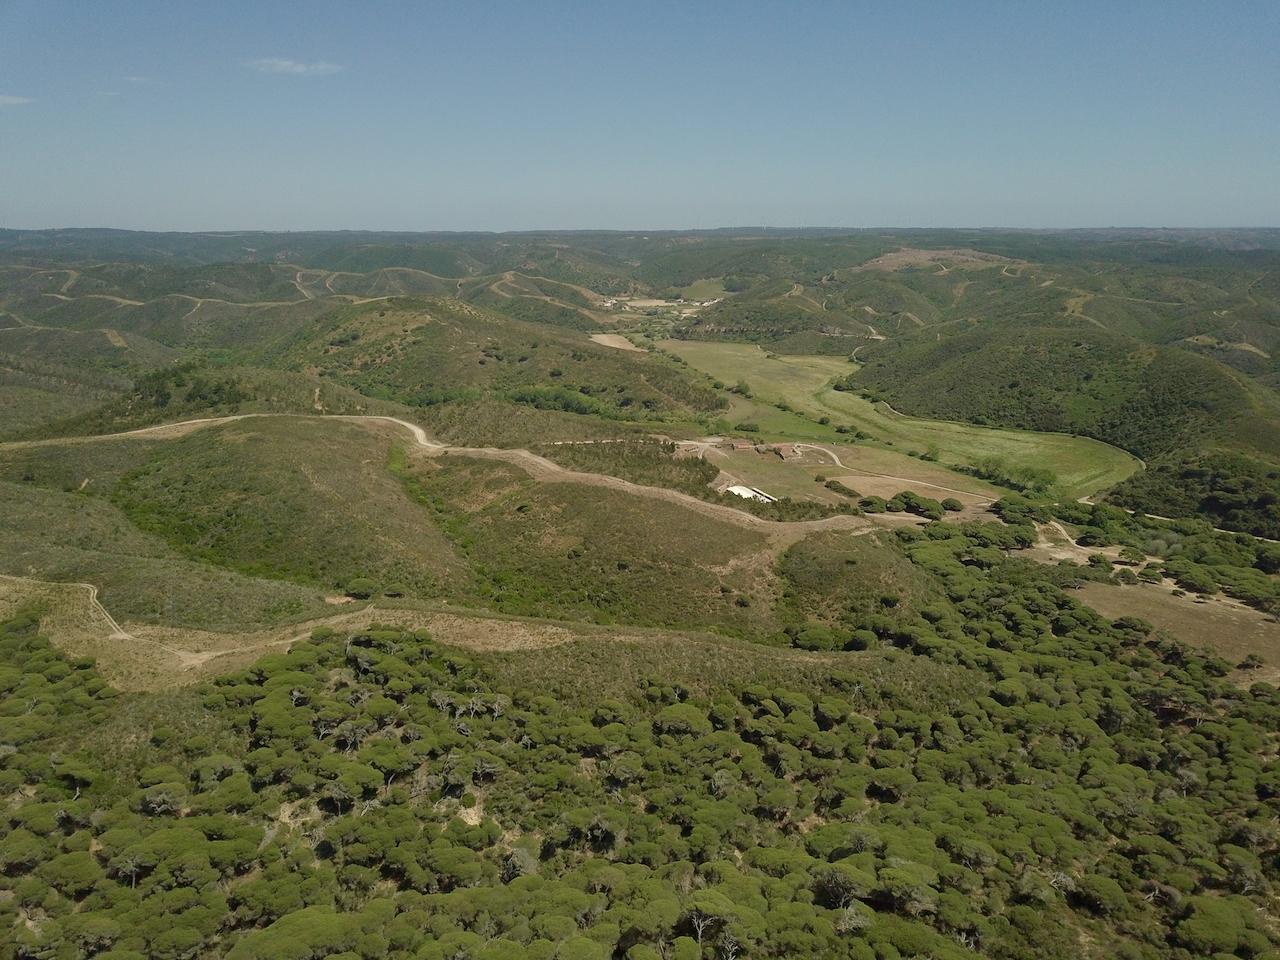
<point x="1231" y="630"/>
<point x="615" y="340"/>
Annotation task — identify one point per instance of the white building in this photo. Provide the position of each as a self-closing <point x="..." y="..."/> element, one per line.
<point x="750" y="493"/>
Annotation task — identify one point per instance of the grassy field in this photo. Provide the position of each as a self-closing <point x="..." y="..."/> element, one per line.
<point x="1082" y="466"/>
<point x="869" y="470"/>
<point x="708" y="288"/>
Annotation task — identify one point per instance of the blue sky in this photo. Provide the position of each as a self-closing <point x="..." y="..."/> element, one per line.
<point x="419" y="116"/>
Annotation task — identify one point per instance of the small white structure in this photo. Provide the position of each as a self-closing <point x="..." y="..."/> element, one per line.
<point x="751" y="493"/>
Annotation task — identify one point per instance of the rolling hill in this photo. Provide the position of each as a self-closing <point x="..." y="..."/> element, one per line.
<point x="382" y="595"/>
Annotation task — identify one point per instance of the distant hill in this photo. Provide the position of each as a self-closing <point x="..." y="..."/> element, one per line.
<point x="1163" y="342"/>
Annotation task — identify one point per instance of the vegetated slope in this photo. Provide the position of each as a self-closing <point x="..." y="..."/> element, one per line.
<point x="242" y="525"/>
<point x="49" y="373"/>
<point x="837" y="586"/>
<point x="1188" y="416"/>
<point x="1143" y="399"/>
<point x="1007" y="775"/>
<point x="291" y="498"/>
<point x="863" y="299"/>
<point x="57" y="535"/>
<point x="571" y="551"/>
<point x="190" y="390"/>
<point x="88" y="315"/>
<point x="321" y="503"/>
<point x="491" y="421"/>
<point x="1234" y="491"/>
<point x="34" y="392"/>
<point x="427" y="352"/>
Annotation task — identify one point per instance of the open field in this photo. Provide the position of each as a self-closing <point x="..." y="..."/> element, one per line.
<point x="1231" y="630"/>
<point x="615" y="340"/>
<point x="708" y="288"/>
<point x="1082" y="466"/>
<point x="871" y="471"/>
<point x="771" y="377"/>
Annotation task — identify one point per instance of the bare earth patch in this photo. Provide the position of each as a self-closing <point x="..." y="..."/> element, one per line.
<point x="615" y="340"/>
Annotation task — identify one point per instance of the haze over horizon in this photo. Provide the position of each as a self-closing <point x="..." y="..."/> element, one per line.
<point x="393" y="117"/>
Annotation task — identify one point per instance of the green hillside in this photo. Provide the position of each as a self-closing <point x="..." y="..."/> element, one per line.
<point x="427" y="352"/>
<point x="1178" y="411"/>
<point x="1163" y="343"/>
<point x="378" y="794"/>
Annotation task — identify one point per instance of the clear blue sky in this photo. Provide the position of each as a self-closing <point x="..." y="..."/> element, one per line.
<point x="418" y="116"/>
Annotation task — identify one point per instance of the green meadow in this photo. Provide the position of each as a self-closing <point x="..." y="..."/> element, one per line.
<point x="1082" y="466"/>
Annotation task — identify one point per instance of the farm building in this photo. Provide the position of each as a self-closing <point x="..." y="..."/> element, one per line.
<point x="750" y="493"/>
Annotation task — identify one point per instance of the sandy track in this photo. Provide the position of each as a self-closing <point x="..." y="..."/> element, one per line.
<point x="181" y="655"/>
<point x="967" y="494"/>
<point x="119" y="301"/>
<point x="537" y="467"/>
<point x="98" y="611"/>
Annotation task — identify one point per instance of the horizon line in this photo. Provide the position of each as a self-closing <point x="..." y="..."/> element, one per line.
<point x="242" y="231"/>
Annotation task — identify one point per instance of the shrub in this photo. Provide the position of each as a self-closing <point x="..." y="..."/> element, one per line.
<point x="1102" y="895"/>
<point x="361" y="588"/>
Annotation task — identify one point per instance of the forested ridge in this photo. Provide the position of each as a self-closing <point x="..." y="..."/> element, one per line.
<point x="1057" y="785"/>
<point x="1211" y="441"/>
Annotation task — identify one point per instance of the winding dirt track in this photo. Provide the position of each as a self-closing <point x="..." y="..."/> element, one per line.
<point x="781" y="532"/>
<point x="888" y="476"/>
<point x="95" y="606"/>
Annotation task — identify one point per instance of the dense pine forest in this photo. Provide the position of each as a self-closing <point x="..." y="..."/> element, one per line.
<point x="1001" y="773"/>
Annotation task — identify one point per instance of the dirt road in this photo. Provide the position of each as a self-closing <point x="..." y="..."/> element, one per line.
<point x="888" y="476"/>
<point x="98" y="611"/>
<point x="539" y="468"/>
